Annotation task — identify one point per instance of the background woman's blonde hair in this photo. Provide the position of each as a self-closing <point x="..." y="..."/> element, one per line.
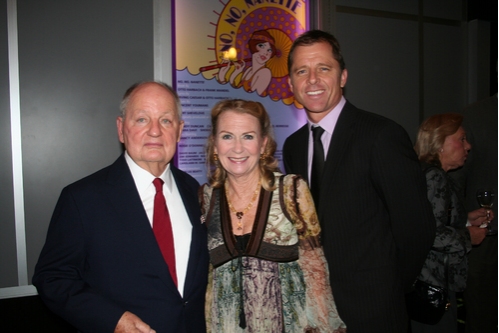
<point x="432" y="134"/>
<point x="268" y="164"/>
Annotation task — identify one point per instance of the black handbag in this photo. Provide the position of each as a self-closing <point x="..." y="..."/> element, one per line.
<point x="426" y="303"/>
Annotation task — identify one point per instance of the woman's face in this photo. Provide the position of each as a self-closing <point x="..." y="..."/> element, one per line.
<point x="239" y="144"/>
<point x="263" y="52"/>
<point x="454" y="150"/>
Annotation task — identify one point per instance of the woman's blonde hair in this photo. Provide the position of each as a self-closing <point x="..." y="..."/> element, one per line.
<point x="432" y="134"/>
<point x="267" y="164"/>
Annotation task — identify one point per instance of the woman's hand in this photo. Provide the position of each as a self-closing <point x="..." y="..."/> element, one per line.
<point x="477" y="234"/>
<point x="480" y="216"/>
<point x="240" y="64"/>
<point x="223" y="71"/>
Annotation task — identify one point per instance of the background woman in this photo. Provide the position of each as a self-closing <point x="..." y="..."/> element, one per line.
<point x="268" y="271"/>
<point x="441" y="146"/>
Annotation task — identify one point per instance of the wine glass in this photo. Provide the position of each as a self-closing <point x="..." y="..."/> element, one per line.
<point x="485" y="198"/>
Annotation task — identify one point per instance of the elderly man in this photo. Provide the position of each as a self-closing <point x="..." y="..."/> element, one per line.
<point x="125" y="249"/>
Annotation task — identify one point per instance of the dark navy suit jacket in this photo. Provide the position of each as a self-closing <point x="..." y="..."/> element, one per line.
<point x="101" y="258"/>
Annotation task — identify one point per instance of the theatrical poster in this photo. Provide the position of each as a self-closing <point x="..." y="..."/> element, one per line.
<point x="234" y="49"/>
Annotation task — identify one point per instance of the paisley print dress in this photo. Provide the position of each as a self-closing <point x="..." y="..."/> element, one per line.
<point x="275" y="279"/>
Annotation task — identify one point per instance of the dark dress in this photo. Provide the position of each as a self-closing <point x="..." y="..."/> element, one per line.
<point x="452" y="241"/>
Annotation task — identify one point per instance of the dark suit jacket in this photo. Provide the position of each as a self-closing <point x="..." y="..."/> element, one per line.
<point x="377" y="224"/>
<point x="480" y="171"/>
<point x="101" y="258"/>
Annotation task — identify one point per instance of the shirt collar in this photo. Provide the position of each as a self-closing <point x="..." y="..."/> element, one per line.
<point x="329" y="121"/>
<point x="143" y="178"/>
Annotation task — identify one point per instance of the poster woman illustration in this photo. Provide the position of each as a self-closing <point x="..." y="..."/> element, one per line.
<point x="258" y="76"/>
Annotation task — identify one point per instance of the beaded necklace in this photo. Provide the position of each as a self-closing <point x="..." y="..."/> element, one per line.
<point x="240" y="214"/>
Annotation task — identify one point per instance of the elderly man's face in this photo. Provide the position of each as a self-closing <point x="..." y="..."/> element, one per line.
<point x="151" y="127"/>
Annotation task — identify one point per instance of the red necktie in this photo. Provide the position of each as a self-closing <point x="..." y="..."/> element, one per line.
<point x="162" y="228"/>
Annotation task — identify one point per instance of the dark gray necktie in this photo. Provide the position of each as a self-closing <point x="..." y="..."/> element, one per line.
<point x="317" y="163"/>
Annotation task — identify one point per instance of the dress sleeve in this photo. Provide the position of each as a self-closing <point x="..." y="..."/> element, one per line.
<point x="448" y="239"/>
<point x="204" y="195"/>
<point x="208" y="305"/>
<point x="321" y="309"/>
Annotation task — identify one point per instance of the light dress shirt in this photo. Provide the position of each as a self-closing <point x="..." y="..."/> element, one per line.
<point x="327" y="123"/>
<point x="181" y="224"/>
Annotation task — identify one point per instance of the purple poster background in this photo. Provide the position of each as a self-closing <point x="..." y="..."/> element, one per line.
<point x="214" y="61"/>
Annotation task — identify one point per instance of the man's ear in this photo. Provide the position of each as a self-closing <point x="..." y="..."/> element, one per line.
<point x="290" y="84"/>
<point x="119" y="127"/>
<point x="180" y="129"/>
<point x="344" y="76"/>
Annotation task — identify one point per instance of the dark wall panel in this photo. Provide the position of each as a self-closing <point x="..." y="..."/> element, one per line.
<point x="76" y="60"/>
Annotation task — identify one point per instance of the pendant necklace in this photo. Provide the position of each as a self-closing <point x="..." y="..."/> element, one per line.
<point x="240" y="214"/>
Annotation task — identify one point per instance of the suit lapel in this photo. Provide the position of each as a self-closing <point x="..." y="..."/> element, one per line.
<point x="130" y="212"/>
<point x="338" y="147"/>
<point x="301" y="161"/>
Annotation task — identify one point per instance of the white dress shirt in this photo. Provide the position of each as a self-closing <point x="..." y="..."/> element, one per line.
<point x="181" y="225"/>
<point x="328" y="123"/>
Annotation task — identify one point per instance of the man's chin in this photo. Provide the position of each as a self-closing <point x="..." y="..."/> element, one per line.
<point x="155" y="159"/>
<point x="316" y="110"/>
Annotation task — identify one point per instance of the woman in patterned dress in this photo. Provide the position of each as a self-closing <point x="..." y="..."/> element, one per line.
<point x="442" y="146"/>
<point x="268" y="272"/>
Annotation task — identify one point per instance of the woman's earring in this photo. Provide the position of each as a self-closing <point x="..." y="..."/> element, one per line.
<point x="215" y="157"/>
